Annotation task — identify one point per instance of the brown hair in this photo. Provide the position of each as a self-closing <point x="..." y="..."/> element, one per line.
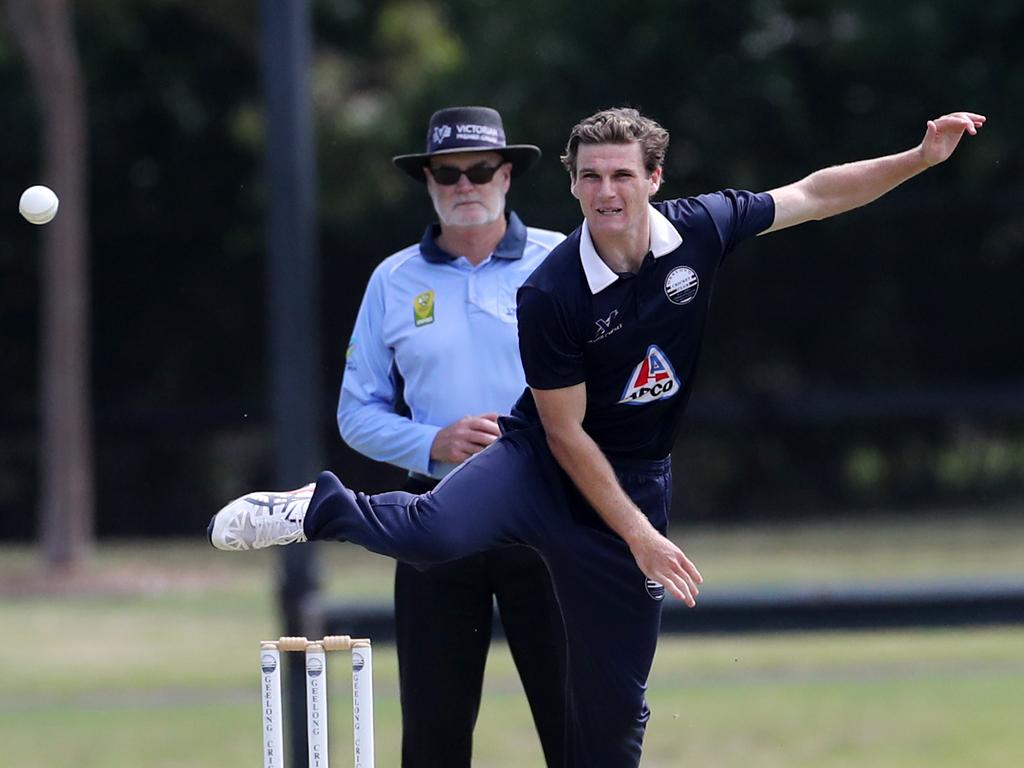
<point x="621" y="125"/>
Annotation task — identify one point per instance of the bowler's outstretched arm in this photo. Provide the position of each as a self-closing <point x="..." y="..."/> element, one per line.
<point x="842" y="188"/>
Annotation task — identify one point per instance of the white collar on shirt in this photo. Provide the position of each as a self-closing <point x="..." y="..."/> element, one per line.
<point x="664" y="239"/>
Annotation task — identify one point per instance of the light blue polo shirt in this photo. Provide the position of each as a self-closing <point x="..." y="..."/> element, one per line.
<point x="435" y="340"/>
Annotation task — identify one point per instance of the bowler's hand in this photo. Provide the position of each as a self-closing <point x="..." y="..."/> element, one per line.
<point x="944" y="133"/>
<point x="460" y="440"/>
<point x="664" y="562"/>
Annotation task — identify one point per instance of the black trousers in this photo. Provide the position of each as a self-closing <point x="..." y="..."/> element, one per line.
<point x="443" y="620"/>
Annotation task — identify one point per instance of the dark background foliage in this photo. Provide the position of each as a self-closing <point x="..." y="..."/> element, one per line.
<point x="873" y="359"/>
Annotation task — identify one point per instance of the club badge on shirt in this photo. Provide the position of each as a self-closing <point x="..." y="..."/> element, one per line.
<point x="423" y="308"/>
<point x="652" y="379"/>
<point x="681" y="285"/>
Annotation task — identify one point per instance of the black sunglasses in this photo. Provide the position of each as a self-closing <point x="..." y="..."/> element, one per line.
<point x="448" y="175"/>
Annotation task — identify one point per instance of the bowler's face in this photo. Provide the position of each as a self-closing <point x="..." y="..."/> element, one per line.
<point x="613" y="187"/>
<point x="465" y="204"/>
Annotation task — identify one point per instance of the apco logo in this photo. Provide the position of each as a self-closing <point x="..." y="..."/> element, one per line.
<point x="681" y="285"/>
<point x="358" y="662"/>
<point x="655" y="590"/>
<point x="652" y="380"/>
<point x="268" y="663"/>
<point x="423" y="308"/>
<point x="441" y="133"/>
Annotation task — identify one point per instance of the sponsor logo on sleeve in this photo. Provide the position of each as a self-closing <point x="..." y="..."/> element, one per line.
<point x="423" y="308"/>
<point x="653" y="379"/>
<point x="681" y="285"/>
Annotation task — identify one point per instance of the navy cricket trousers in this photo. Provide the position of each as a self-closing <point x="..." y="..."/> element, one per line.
<point x="514" y="492"/>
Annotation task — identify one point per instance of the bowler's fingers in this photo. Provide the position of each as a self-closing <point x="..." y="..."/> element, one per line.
<point x="681" y="588"/>
<point x="683" y="580"/>
<point x="962" y="121"/>
<point x="949" y="124"/>
<point x="691" y="570"/>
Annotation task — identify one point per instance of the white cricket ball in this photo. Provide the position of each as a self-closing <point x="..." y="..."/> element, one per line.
<point x="38" y="204"/>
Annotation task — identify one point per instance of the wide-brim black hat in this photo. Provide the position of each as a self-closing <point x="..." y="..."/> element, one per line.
<point x="467" y="129"/>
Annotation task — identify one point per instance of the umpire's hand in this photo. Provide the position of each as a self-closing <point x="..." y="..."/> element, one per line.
<point x="460" y="440"/>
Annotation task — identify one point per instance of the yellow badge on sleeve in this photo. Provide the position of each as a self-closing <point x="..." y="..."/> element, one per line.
<point x="423" y="308"/>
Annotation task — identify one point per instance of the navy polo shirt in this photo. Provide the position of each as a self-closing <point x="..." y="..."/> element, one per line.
<point x="634" y="339"/>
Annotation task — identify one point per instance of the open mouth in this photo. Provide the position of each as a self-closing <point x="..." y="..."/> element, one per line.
<point x="608" y="211"/>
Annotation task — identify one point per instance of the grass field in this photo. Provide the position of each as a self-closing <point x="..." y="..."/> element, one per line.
<point x="147" y="659"/>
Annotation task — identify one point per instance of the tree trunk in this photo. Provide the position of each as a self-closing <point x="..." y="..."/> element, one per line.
<point x="43" y="31"/>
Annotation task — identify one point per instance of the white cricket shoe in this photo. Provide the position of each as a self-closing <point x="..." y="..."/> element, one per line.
<point x="261" y="519"/>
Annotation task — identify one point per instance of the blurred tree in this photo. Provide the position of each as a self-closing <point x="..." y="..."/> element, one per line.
<point x="43" y="31"/>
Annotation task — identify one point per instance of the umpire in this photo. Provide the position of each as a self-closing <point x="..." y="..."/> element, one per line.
<point x="435" y="340"/>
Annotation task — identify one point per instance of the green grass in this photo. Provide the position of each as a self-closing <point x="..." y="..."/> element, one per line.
<point x="938" y="698"/>
<point x="147" y="659"/>
<point x="899" y="699"/>
<point x="877" y="549"/>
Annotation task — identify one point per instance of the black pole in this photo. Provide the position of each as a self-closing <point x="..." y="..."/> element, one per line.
<point x="293" y="278"/>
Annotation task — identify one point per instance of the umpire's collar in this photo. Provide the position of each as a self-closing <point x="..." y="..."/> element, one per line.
<point x="510" y="247"/>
